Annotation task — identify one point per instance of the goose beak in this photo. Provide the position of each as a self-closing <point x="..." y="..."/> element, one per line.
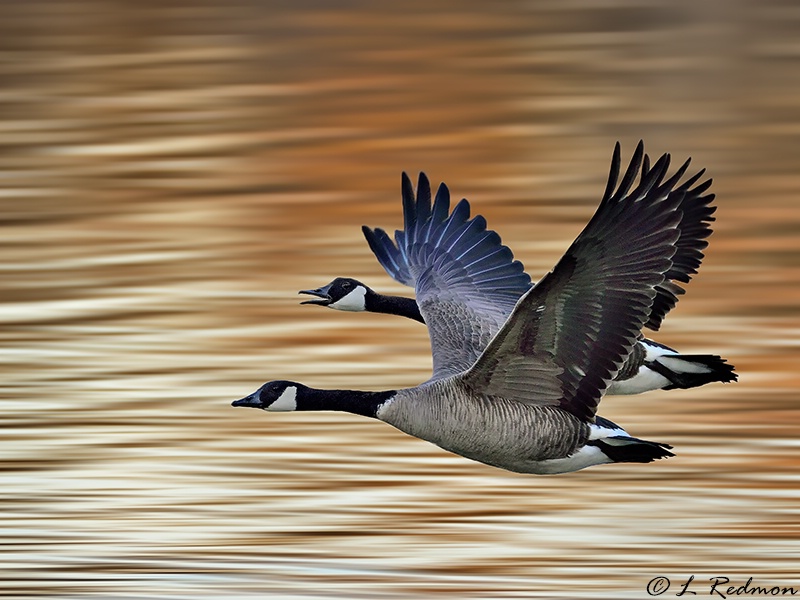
<point x="250" y="401"/>
<point x="321" y="293"/>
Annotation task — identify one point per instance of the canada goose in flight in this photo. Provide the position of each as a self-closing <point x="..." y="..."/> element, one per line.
<point x="527" y="401"/>
<point x="487" y="264"/>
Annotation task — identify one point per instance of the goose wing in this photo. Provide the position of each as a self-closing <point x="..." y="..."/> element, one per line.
<point x="695" y="227"/>
<point x="568" y="336"/>
<point x="466" y="281"/>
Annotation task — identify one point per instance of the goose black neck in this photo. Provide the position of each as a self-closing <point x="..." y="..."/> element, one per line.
<point x="394" y="305"/>
<point x="352" y="401"/>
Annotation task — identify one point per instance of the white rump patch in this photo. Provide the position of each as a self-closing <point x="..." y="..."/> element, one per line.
<point x="644" y="381"/>
<point x="355" y="301"/>
<point x="286" y="402"/>
<point x="654" y="351"/>
<point x="586" y="456"/>
<point x="682" y="365"/>
<point x="596" y="432"/>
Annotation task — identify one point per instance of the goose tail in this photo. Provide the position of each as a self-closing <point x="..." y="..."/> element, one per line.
<point x="623" y="448"/>
<point x="692" y="370"/>
<point x="615" y="443"/>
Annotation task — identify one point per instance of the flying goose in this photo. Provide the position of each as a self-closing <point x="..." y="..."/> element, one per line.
<point x="487" y="263"/>
<point x="527" y="401"/>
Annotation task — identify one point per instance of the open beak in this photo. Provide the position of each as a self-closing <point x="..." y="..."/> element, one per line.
<point x="250" y="401"/>
<point x="324" y="298"/>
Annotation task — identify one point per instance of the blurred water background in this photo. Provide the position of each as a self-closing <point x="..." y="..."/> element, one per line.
<point x="171" y="173"/>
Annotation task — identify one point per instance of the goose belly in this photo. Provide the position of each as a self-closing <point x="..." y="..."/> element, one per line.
<point x="494" y="431"/>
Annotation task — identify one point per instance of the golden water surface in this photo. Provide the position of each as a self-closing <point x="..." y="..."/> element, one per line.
<point x="172" y="173"/>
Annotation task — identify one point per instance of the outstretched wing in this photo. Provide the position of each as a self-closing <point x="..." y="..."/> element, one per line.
<point x="466" y="281"/>
<point x="567" y="337"/>
<point x="695" y="227"/>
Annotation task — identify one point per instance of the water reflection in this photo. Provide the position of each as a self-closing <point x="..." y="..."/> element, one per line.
<point x="173" y="174"/>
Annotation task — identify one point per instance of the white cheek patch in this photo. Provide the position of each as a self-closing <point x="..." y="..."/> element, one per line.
<point x="355" y="301"/>
<point x="286" y="402"/>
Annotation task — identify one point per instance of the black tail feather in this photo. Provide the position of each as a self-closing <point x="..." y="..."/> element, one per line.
<point x="632" y="450"/>
<point x="718" y="370"/>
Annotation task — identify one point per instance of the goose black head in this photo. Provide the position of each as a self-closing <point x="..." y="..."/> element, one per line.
<point x="342" y="293"/>
<point x="277" y="396"/>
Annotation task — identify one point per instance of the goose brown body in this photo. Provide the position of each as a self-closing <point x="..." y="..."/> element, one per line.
<point x="525" y="438"/>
